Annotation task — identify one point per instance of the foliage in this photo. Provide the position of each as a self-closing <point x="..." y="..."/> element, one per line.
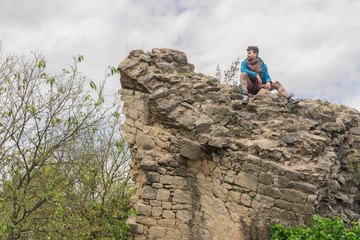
<point x="64" y="164"/>
<point x="319" y="228"/>
<point x="229" y="74"/>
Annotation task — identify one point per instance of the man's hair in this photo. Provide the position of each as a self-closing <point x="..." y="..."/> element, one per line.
<point x="255" y="49"/>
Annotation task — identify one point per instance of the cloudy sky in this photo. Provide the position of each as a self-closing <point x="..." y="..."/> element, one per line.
<point x="311" y="46"/>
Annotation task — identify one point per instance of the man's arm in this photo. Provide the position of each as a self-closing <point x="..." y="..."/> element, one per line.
<point x="266" y="72"/>
<point x="245" y="68"/>
<point x="267" y="77"/>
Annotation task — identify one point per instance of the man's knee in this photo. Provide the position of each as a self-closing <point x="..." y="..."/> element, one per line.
<point x="276" y="83"/>
<point x="244" y="74"/>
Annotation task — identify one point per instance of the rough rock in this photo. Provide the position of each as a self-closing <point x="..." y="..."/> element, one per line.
<point x="207" y="166"/>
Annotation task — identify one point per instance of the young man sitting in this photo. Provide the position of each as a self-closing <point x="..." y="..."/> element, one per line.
<point x="254" y="76"/>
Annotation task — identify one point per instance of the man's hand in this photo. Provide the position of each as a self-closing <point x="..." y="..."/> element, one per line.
<point x="258" y="79"/>
<point x="268" y="86"/>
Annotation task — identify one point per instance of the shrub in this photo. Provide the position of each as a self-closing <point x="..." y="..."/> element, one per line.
<point x="318" y="228"/>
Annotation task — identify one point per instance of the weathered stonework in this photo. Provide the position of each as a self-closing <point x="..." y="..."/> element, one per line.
<point x="207" y="166"/>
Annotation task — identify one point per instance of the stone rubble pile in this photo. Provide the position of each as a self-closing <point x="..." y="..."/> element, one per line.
<point x="207" y="166"/>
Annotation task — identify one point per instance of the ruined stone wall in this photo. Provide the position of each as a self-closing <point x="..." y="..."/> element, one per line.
<point x="207" y="166"/>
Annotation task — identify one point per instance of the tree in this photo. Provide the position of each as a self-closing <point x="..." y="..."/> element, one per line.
<point x="64" y="164"/>
<point x="229" y="74"/>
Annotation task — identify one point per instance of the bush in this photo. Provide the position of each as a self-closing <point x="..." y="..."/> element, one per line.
<point x="318" y="228"/>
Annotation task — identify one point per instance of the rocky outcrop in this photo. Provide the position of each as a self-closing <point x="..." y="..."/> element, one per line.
<point x="207" y="166"/>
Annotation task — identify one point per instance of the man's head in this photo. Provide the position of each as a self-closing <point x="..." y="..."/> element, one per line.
<point x="252" y="52"/>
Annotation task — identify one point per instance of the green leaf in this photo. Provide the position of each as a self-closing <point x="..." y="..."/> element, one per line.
<point x="113" y="71"/>
<point x="42" y="64"/>
<point x="51" y="81"/>
<point x="93" y="85"/>
<point x="116" y="114"/>
<point x="80" y="58"/>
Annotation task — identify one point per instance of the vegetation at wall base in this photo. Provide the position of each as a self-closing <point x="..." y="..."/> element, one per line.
<point x="319" y="228"/>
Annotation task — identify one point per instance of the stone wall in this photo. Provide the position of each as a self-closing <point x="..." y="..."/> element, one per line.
<point x="207" y="166"/>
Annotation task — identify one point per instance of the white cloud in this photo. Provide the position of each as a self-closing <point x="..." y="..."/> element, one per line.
<point x="311" y="46"/>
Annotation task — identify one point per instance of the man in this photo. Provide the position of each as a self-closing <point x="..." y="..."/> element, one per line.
<point x="254" y="76"/>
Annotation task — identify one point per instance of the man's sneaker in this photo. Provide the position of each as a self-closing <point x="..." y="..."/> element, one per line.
<point x="292" y="100"/>
<point x="245" y="98"/>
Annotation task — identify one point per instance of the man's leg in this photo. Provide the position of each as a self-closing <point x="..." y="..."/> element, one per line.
<point x="245" y="83"/>
<point x="282" y="91"/>
<point x="247" y="86"/>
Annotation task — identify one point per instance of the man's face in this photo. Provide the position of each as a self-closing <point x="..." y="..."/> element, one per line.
<point x="251" y="55"/>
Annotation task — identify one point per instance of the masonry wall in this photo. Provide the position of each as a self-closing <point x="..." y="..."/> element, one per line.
<point x="207" y="166"/>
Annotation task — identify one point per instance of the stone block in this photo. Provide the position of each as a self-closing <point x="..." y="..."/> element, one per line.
<point x="162" y="195"/>
<point x="207" y="166"/>
<point x="283" y="204"/>
<point x="162" y="144"/>
<point x="183" y="215"/>
<point x="177" y="207"/>
<point x="246" y="200"/>
<point x="166" y="205"/>
<point x="266" y="178"/>
<point x="293" y="196"/>
<point x="139" y="125"/>
<point x="290" y="138"/>
<point x="175" y="234"/>
<point x="147" y="221"/>
<point x="142" y="105"/>
<point x="247" y="181"/>
<point x="261" y="201"/>
<point x="130" y="122"/>
<point x="130" y="138"/>
<point x="153" y="177"/>
<point x="234" y="196"/>
<point x="157" y="211"/>
<point x="190" y="149"/>
<point x="170" y="223"/>
<point x="293" y="175"/>
<point x="269" y="191"/>
<point x="137" y="228"/>
<point x="311" y="199"/>
<point x="128" y="129"/>
<point x="276" y="169"/>
<point x="162" y="170"/>
<point x="144" y="209"/>
<point x="304" y="209"/>
<point x="219" y="142"/>
<point x="133" y="113"/>
<point x="147" y="165"/>
<point x="145" y="141"/>
<point x="230" y="176"/>
<point x="166" y="179"/>
<point x="203" y="123"/>
<point x="305" y="187"/>
<point x="253" y="159"/>
<point x="251" y="169"/>
<point x="157" y="232"/>
<point x="282" y="182"/>
<point x="179" y="182"/>
<point x="226" y="162"/>
<point x="155" y="203"/>
<point x="168" y="214"/>
<point x="148" y="192"/>
<point x="181" y="196"/>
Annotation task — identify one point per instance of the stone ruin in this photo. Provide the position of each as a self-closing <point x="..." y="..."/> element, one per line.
<point x="207" y="166"/>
